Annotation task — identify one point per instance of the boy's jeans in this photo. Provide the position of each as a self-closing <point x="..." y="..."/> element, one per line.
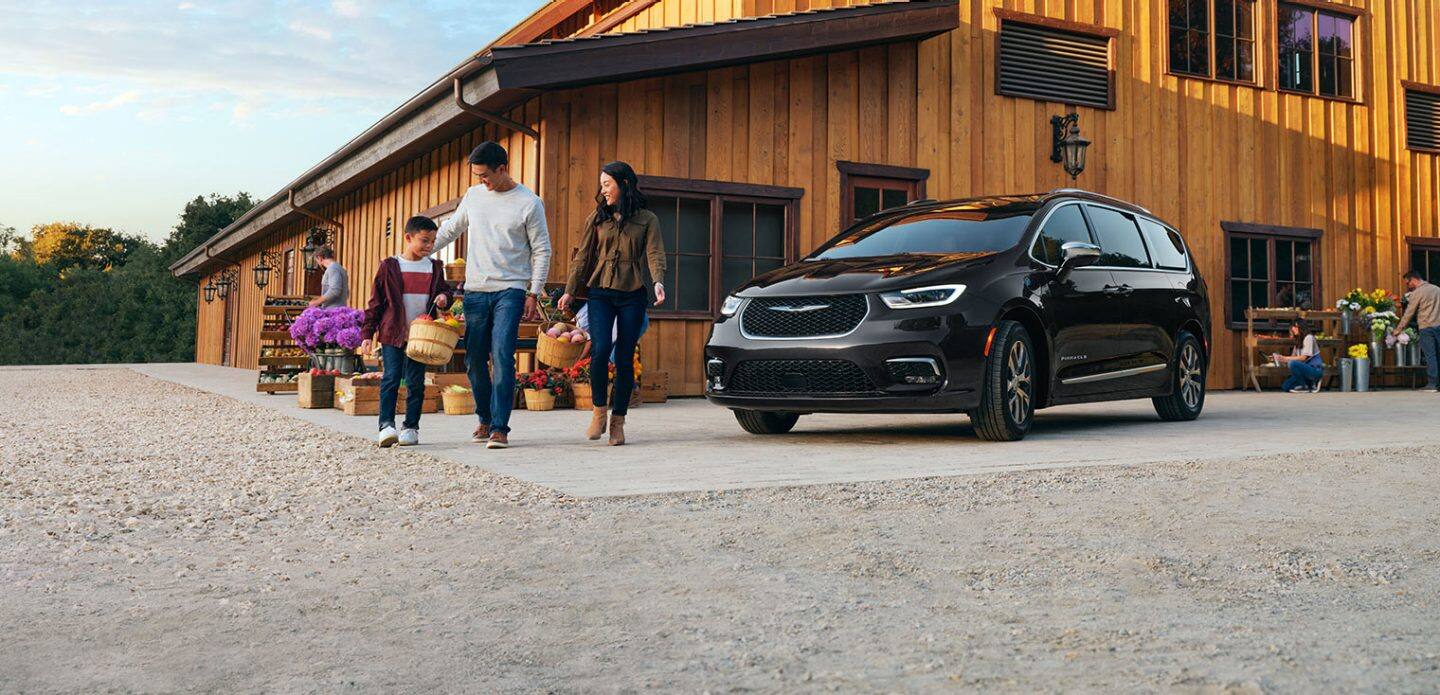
<point x="397" y="365"/>
<point x="492" y="322"/>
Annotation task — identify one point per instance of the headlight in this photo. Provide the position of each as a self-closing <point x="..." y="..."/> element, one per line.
<point x="922" y="296"/>
<point x="731" y="305"/>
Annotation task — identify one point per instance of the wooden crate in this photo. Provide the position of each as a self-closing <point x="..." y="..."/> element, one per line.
<point x="364" y="398"/>
<point x="451" y="379"/>
<point x="316" y="391"/>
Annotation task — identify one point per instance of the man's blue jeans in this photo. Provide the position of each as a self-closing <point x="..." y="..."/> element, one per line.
<point x="1430" y="348"/>
<point x="397" y="365"/>
<point x="1302" y="374"/>
<point x="492" y="322"/>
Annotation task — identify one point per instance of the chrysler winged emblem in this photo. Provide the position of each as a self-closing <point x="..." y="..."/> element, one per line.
<point x="799" y="308"/>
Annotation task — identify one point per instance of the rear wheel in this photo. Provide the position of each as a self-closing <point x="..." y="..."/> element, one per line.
<point x="764" y="422"/>
<point x="1187" y="392"/>
<point x="1007" y="394"/>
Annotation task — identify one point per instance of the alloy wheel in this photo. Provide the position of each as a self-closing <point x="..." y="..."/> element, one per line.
<point x="1018" y="382"/>
<point x="1192" y="384"/>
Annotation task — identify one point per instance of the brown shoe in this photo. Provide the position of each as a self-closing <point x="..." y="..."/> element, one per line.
<point x="482" y="433"/>
<point x="498" y="440"/>
<point x="597" y="422"/>
<point x="617" y="430"/>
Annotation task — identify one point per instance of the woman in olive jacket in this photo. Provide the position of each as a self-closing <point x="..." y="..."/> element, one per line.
<point x="618" y="239"/>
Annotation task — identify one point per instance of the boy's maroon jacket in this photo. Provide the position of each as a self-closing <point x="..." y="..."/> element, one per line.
<point x="386" y="313"/>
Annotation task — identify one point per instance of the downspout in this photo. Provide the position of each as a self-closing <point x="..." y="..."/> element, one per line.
<point x="290" y="197"/>
<point x="503" y="122"/>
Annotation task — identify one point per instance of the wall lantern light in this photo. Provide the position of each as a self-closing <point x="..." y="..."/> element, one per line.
<point x="1068" y="146"/>
<point x="268" y="261"/>
<point x="209" y="291"/>
<point x="318" y="237"/>
<point x="226" y="283"/>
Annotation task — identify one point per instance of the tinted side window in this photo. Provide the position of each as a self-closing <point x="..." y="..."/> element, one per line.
<point x="1066" y="224"/>
<point x="1120" y="243"/>
<point x="1166" y="245"/>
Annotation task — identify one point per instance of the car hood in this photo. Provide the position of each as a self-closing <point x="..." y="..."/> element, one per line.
<point x="872" y="274"/>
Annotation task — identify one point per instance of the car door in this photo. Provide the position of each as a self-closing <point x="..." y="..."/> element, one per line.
<point x="1143" y="302"/>
<point x="1077" y="308"/>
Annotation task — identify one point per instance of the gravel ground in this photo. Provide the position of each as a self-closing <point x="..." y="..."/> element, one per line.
<point x="157" y="538"/>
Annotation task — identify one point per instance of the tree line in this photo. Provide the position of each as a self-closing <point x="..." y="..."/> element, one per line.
<point x="77" y="294"/>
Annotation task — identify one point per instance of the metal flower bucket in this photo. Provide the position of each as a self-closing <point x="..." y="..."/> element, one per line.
<point x="1347" y="374"/>
<point x="1362" y="374"/>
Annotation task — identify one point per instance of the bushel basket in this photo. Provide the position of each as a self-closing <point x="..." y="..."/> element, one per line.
<point x="553" y="352"/>
<point x="431" y="342"/>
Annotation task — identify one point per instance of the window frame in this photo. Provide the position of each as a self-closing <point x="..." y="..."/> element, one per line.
<point x="1110" y="34"/>
<point x="1134" y="220"/>
<point x="911" y="178"/>
<point x="1270" y="234"/>
<point x="1212" y="34"/>
<point x="1354" y="15"/>
<point x="1407" y="86"/>
<point x="1428" y="244"/>
<point x="287" y="282"/>
<point x="718" y="193"/>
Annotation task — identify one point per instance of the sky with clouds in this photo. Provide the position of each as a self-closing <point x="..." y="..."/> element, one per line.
<point x="116" y="112"/>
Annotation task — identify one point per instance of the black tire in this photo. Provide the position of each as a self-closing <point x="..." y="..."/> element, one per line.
<point x="1007" y="394"/>
<point x="764" y="422"/>
<point x="1187" y="382"/>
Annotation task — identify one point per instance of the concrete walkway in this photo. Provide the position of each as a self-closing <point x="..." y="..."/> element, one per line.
<point x="689" y="445"/>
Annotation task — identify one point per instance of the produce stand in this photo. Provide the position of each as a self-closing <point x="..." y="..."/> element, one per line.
<point x="1333" y="341"/>
<point x="281" y="359"/>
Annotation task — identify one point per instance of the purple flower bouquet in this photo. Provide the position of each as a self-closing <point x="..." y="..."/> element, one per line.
<point x="321" y="330"/>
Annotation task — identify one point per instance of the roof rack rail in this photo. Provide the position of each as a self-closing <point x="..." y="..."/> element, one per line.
<point x="1065" y="191"/>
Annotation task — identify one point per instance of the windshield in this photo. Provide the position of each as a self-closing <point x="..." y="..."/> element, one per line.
<point x="944" y="231"/>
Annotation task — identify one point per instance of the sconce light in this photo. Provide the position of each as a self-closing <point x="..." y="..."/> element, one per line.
<point x="209" y="291"/>
<point x="268" y="261"/>
<point x="1068" y="146"/>
<point x="318" y="237"/>
<point x="226" y="283"/>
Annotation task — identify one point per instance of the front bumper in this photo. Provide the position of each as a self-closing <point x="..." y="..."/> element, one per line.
<point x="948" y="336"/>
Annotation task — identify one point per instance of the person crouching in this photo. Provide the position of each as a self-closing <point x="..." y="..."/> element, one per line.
<point x="406" y="286"/>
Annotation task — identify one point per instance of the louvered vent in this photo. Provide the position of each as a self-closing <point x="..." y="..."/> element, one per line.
<point x="1422" y="120"/>
<point x="1054" y="65"/>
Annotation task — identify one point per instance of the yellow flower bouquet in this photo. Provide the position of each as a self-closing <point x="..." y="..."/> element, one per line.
<point x="1360" y="352"/>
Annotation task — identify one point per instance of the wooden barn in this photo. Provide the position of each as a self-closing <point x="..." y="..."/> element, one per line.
<point x="1296" y="143"/>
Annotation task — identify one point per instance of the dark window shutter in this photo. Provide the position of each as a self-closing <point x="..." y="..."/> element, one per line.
<point x="1422" y="120"/>
<point x="1054" y="65"/>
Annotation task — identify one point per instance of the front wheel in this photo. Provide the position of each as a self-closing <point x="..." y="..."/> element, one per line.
<point x="1007" y="395"/>
<point x="763" y="422"/>
<point x="1187" y="389"/>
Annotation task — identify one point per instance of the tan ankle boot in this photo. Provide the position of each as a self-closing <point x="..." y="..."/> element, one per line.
<point x="617" y="430"/>
<point x="597" y="423"/>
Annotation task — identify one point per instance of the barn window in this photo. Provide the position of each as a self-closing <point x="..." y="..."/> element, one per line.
<point x="1050" y="60"/>
<point x="1425" y="257"/>
<point x="1422" y="118"/>
<point x="1316" y="51"/>
<point x="718" y="236"/>
<point x="289" y="273"/>
<point x="1226" y="26"/>
<point x="1270" y="267"/>
<point x="866" y="189"/>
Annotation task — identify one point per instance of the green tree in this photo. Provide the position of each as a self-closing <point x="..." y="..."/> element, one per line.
<point x="201" y="219"/>
<point x="68" y="245"/>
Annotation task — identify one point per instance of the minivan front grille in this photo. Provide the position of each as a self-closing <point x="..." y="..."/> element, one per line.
<point x="805" y="377"/>
<point x="802" y="317"/>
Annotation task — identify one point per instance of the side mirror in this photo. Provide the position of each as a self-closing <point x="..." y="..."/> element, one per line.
<point x="1076" y="254"/>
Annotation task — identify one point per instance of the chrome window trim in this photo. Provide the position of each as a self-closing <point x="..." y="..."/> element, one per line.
<point x="1030" y="247"/>
<point x="740" y="316"/>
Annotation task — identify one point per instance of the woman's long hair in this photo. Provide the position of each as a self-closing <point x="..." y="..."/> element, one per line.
<point x="631" y="199"/>
<point x="1304" y="327"/>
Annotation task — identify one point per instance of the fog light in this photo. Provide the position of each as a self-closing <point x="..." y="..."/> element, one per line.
<point x="913" y="370"/>
<point x="714" y="371"/>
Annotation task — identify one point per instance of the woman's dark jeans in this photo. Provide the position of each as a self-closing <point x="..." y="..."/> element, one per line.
<point x="1302" y="374"/>
<point x="620" y="314"/>
<point x="398" y="365"/>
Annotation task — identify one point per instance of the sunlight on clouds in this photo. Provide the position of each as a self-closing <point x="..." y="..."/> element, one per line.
<point x="312" y="31"/>
<point x="112" y="103"/>
<point x="345" y="8"/>
<point x="185" y="6"/>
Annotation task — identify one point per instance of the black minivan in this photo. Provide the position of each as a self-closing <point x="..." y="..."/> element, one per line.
<point x="988" y="306"/>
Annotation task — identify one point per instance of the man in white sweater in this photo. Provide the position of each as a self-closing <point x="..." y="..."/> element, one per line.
<point x="507" y="258"/>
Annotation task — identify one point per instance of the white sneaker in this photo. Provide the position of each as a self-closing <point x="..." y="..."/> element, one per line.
<point x="409" y="437"/>
<point x="1316" y="389"/>
<point x="1300" y="389"/>
<point x="387" y="438"/>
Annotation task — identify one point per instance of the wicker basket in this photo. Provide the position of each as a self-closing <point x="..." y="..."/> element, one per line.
<point x="455" y="272"/>
<point x="536" y="399"/>
<point x="581" y="390"/>
<point x="557" y="353"/>
<point x="458" y="403"/>
<point x="431" y="342"/>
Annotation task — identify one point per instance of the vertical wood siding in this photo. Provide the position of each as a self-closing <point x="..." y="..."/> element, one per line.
<point x="1195" y="152"/>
